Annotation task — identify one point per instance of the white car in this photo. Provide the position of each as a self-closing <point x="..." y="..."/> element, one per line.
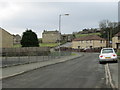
<point x="107" y="54"/>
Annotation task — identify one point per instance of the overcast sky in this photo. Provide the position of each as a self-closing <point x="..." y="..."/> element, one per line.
<point x="15" y="17"/>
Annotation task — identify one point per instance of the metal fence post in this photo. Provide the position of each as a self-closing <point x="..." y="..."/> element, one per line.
<point x="36" y="55"/>
<point x="28" y="55"/>
<point x="18" y="55"/>
<point x="48" y="56"/>
<point x="43" y="56"/>
<point x="6" y="61"/>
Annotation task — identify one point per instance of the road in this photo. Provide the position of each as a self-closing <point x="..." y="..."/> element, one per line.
<point x="83" y="72"/>
<point x="68" y="44"/>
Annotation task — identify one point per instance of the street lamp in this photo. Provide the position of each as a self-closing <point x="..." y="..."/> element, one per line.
<point x="60" y="28"/>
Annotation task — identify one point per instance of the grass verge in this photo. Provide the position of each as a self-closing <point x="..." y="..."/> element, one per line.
<point x="17" y="46"/>
<point x="48" y="44"/>
<point x="73" y="54"/>
<point x="118" y="52"/>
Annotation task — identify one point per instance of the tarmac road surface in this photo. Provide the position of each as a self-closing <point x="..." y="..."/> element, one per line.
<point x="83" y="72"/>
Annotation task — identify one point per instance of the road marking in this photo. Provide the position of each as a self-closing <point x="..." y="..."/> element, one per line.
<point x="108" y="76"/>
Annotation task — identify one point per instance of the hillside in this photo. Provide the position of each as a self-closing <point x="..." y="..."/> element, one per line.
<point x="81" y="35"/>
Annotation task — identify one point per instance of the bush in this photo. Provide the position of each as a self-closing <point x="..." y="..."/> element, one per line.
<point x="118" y="52"/>
<point x="29" y="39"/>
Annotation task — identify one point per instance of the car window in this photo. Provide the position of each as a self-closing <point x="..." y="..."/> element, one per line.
<point x="107" y="51"/>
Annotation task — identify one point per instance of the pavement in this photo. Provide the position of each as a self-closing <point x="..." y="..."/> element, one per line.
<point x="115" y="73"/>
<point x="20" y="69"/>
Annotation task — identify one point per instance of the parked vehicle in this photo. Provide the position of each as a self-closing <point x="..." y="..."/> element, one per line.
<point x="107" y="54"/>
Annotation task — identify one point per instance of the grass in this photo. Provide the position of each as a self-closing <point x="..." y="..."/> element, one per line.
<point x="118" y="52"/>
<point x="17" y="45"/>
<point x="48" y="44"/>
<point x="41" y="45"/>
<point x="73" y="54"/>
<point x="82" y="35"/>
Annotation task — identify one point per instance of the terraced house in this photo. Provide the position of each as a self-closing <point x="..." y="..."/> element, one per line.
<point x="6" y="39"/>
<point x="116" y="41"/>
<point x="91" y="41"/>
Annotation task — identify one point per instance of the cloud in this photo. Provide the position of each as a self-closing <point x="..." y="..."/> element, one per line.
<point x="62" y="0"/>
<point x="8" y="10"/>
<point x="39" y="16"/>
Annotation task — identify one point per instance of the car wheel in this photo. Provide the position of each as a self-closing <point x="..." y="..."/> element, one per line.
<point x="100" y="62"/>
<point x="116" y="61"/>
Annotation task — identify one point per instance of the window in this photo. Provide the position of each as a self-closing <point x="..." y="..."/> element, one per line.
<point x="90" y="46"/>
<point x="100" y="41"/>
<point x="118" y="37"/>
<point x="107" y="51"/>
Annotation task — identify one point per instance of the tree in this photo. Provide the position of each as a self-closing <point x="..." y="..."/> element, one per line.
<point x="29" y="39"/>
<point x="108" y="29"/>
<point x="74" y="36"/>
<point x="104" y="24"/>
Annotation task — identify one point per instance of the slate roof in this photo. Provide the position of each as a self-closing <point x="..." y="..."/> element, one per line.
<point x="90" y="37"/>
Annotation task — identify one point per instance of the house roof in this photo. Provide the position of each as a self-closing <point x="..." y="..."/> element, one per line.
<point x="50" y="32"/>
<point x="90" y="37"/>
<point x="118" y="34"/>
<point x="5" y="31"/>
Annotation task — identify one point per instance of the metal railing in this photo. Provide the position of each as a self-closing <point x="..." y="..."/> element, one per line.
<point x="17" y="59"/>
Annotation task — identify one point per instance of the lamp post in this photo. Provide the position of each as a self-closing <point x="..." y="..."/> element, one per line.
<point x="60" y="29"/>
<point x="108" y="39"/>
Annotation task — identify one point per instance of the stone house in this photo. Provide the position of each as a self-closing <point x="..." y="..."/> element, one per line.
<point x="91" y="41"/>
<point x="116" y="41"/>
<point x="16" y="39"/>
<point x="67" y="37"/>
<point x="51" y="36"/>
<point x="6" y="39"/>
